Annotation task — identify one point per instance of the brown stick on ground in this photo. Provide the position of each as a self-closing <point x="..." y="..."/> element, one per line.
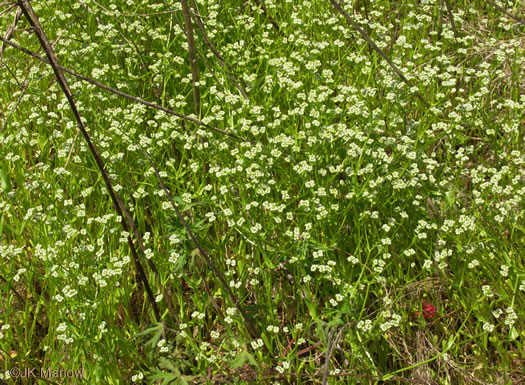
<point x="127" y="220"/>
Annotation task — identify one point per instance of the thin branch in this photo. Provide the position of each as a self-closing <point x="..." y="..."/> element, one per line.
<point x="440" y="25"/>
<point x="202" y="252"/>
<point x="144" y="64"/>
<point x="117" y="201"/>
<point x="22" y="92"/>
<point x="193" y="57"/>
<point x="123" y="94"/>
<point x="260" y="4"/>
<point x="518" y="19"/>
<point x="71" y="149"/>
<point x="367" y="38"/>
<point x="13" y="75"/>
<point x="451" y="16"/>
<point x="309" y="348"/>
<point x="9" y="8"/>
<point x="199" y="23"/>
<point x="10" y="31"/>
<point x="210" y="45"/>
<point x="212" y="48"/>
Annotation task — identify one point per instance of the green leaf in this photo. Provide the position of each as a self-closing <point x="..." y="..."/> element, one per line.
<point x="4" y="181"/>
<point x="155" y="328"/>
<point x="239" y="360"/>
<point x="266" y="341"/>
<point x="252" y="360"/>
<point x="165" y="377"/>
<point x="450" y="196"/>
<point x="164" y="363"/>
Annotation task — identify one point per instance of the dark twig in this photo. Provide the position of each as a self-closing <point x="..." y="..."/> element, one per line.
<point x="451" y="16"/>
<point x="199" y="23"/>
<point x="202" y="252"/>
<point x="365" y="36"/>
<point x="123" y="94"/>
<point x="193" y="57"/>
<point x="518" y="19"/>
<point x="440" y="25"/>
<point x="22" y="92"/>
<point x="260" y="4"/>
<point x="10" y="6"/>
<point x="127" y="221"/>
<point x="10" y="31"/>
<point x="13" y="75"/>
<point x="212" y="48"/>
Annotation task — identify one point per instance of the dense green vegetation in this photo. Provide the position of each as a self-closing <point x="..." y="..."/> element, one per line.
<point x="358" y="227"/>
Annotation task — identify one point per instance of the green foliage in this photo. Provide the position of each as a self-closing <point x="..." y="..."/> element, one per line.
<point x="349" y="211"/>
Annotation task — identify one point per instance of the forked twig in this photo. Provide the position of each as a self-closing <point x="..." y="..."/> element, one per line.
<point x="10" y="6"/>
<point x="367" y="38"/>
<point x="127" y="221"/>
<point x="331" y="343"/>
<point x="199" y="23"/>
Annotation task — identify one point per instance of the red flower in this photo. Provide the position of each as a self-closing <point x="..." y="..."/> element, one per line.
<point x="429" y="311"/>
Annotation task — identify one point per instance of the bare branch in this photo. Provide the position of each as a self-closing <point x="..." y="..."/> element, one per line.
<point x="451" y="16"/>
<point x="10" y="31"/>
<point x="193" y="57"/>
<point x="212" y="48"/>
<point x="199" y="23"/>
<point x="10" y="6"/>
<point x="365" y="36"/>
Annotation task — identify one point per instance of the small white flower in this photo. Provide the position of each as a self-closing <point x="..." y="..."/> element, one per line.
<point x="488" y="327"/>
